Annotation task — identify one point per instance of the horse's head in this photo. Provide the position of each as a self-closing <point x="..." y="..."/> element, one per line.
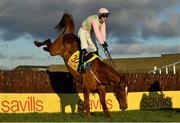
<point x="121" y="91"/>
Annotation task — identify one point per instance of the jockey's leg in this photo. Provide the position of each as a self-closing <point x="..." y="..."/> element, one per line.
<point x="81" y="61"/>
<point x="92" y="45"/>
<point x="84" y="45"/>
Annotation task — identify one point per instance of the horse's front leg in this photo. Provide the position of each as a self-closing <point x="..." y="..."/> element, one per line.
<point x="102" y="96"/>
<point x="86" y="101"/>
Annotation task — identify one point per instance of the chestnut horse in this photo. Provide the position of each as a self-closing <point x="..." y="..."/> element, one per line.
<point x="96" y="77"/>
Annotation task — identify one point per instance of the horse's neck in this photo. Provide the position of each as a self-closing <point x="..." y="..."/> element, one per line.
<point x="68" y="54"/>
<point x="66" y="58"/>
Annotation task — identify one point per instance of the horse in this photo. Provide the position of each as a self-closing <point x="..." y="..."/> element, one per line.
<point x="96" y="77"/>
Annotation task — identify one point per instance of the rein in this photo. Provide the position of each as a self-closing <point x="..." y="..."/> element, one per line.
<point x="110" y="58"/>
<point x="95" y="76"/>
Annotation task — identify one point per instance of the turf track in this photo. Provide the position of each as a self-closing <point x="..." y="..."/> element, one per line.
<point x="169" y="115"/>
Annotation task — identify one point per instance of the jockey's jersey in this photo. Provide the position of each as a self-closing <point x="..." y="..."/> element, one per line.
<point x="92" y="24"/>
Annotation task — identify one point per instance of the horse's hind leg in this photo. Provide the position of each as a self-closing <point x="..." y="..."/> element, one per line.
<point x="52" y="48"/>
<point x="55" y="49"/>
<point x="102" y="95"/>
<point x="47" y="42"/>
<point x="86" y="100"/>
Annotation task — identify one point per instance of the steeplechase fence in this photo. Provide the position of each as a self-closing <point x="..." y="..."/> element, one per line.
<point x="24" y="91"/>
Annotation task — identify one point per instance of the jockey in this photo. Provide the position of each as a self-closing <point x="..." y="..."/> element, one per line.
<point x="93" y="24"/>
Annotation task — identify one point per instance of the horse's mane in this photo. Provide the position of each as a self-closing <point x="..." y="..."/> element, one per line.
<point x="65" y="24"/>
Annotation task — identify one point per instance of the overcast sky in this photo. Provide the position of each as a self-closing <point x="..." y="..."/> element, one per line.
<point x="135" y="28"/>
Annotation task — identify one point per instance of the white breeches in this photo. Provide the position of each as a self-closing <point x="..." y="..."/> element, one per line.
<point x="86" y="40"/>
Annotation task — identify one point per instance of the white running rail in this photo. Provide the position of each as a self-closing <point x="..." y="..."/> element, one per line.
<point x="166" y="68"/>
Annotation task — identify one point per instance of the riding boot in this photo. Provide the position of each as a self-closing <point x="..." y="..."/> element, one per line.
<point x="81" y="61"/>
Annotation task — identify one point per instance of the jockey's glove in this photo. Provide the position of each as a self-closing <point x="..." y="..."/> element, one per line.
<point x="84" y="51"/>
<point x="105" y="45"/>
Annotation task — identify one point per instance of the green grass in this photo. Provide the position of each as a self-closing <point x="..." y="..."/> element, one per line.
<point x="172" y="115"/>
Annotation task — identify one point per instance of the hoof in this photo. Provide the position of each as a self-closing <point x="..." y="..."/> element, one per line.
<point x="107" y="115"/>
<point x="46" y="49"/>
<point x="38" y="44"/>
<point x="88" y="115"/>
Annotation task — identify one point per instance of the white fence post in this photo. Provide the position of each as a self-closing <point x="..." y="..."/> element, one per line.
<point x="174" y="69"/>
<point x="155" y="69"/>
<point x="166" y="67"/>
<point x="159" y="71"/>
<point x="166" y="70"/>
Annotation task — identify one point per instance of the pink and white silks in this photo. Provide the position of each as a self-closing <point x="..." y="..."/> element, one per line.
<point x="92" y="25"/>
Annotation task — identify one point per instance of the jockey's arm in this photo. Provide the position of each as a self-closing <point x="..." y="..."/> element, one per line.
<point x="97" y="32"/>
<point x="103" y="30"/>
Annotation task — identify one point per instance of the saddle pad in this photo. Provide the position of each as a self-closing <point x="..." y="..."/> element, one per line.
<point x="73" y="61"/>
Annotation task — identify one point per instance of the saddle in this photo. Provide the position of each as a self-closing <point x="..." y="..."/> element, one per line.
<point x="73" y="61"/>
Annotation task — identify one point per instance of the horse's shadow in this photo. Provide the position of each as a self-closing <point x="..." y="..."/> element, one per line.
<point x="63" y="85"/>
<point x="155" y="100"/>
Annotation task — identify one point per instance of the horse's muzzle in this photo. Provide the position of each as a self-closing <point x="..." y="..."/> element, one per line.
<point x="124" y="107"/>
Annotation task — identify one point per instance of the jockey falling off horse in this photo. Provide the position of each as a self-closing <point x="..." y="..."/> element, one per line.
<point x="96" y="24"/>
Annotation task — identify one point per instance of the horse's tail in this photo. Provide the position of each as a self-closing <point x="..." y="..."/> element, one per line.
<point x="66" y="24"/>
